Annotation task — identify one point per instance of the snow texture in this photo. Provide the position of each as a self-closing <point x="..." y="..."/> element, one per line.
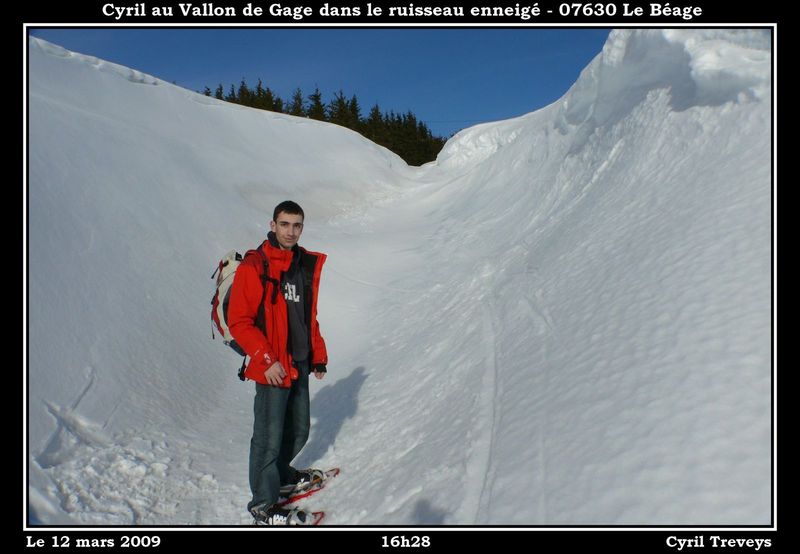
<point x="564" y="320"/>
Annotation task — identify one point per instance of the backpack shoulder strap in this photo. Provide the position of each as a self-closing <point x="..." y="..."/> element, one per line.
<point x="263" y="269"/>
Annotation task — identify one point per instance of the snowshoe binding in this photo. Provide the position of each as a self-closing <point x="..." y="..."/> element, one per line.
<point x="276" y="515"/>
<point x="308" y="481"/>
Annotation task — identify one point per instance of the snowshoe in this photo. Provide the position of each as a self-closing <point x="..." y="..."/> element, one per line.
<point x="275" y="515"/>
<point x="309" y="481"/>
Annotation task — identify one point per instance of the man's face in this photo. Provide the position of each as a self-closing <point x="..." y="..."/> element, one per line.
<point x="287" y="228"/>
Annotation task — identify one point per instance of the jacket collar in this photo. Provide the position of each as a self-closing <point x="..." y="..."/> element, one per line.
<point x="274" y="251"/>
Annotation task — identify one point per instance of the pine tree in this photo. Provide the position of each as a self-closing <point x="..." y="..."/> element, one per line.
<point x="207" y="91"/>
<point x="354" y="113"/>
<point x="337" y="110"/>
<point x="316" y="108"/>
<point x="220" y="93"/>
<point x="297" y="107"/>
<point x="375" y="118"/>
<point x="260" y="99"/>
<point x="269" y="100"/>
<point x="245" y="95"/>
<point x="373" y="126"/>
<point x="405" y="137"/>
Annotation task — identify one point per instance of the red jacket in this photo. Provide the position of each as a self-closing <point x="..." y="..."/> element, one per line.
<point x="246" y="293"/>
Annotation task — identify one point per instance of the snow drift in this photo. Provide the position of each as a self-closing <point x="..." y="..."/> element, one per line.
<point x="564" y="320"/>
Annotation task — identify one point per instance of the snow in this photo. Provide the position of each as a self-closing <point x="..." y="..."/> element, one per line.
<point x="564" y="320"/>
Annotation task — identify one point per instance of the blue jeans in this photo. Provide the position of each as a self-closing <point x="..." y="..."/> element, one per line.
<point x="280" y="430"/>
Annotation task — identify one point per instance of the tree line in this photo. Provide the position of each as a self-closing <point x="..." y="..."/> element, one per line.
<point x="403" y="134"/>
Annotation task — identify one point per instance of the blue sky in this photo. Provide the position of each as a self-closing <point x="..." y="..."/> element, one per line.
<point x="451" y="78"/>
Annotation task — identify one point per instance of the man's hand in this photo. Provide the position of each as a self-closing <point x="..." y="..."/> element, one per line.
<point x="275" y="374"/>
<point x="319" y="374"/>
<point x="320" y="370"/>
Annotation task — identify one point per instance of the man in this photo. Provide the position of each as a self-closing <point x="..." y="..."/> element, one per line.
<point x="281" y="335"/>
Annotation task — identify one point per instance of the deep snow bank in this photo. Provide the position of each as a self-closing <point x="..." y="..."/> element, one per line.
<point x="605" y="269"/>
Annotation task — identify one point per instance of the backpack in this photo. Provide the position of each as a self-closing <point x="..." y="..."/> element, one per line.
<point x="224" y="273"/>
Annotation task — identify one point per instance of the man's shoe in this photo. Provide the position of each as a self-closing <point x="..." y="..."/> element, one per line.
<point x="303" y="480"/>
<point x="275" y="515"/>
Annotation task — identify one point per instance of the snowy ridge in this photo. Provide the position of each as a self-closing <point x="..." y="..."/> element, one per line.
<point x="101" y="65"/>
<point x="700" y="67"/>
<point x="564" y="320"/>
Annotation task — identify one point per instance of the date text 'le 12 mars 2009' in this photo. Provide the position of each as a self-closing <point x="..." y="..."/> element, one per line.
<point x="66" y="542"/>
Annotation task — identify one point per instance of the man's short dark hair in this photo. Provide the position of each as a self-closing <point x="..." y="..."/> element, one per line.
<point x="288" y="207"/>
